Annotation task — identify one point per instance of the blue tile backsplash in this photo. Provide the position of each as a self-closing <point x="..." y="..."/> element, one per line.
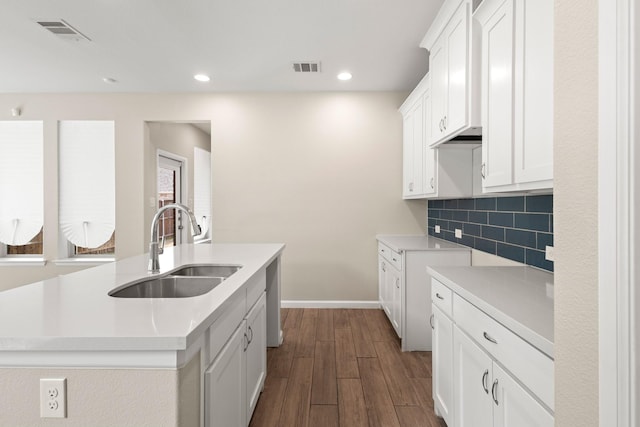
<point x="518" y="228"/>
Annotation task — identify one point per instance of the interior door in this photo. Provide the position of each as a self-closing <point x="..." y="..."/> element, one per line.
<point x="169" y="190"/>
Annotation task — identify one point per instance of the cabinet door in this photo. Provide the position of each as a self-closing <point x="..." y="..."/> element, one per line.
<point x="514" y="406"/>
<point x="418" y="148"/>
<point x="442" y="339"/>
<point x="533" y="118"/>
<point x="497" y="97"/>
<point x="394" y="289"/>
<point x="407" y="155"/>
<point x="472" y="383"/>
<point x="439" y="84"/>
<point x="457" y="58"/>
<point x="225" y="384"/>
<point x="428" y="154"/>
<point x="382" y="271"/>
<point x="256" y="352"/>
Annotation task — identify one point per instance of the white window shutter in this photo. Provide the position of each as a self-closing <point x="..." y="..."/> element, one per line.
<point x="202" y="188"/>
<point x="87" y="212"/>
<point x="21" y="181"/>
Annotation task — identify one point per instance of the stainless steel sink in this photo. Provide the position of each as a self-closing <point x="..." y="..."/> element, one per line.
<point x="206" y="270"/>
<point x="167" y="287"/>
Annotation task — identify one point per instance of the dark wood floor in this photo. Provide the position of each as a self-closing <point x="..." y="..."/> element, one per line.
<point x="344" y="368"/>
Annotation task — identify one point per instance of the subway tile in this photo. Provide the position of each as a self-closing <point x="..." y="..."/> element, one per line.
<point x="536" y="222"/>
<point x="451" y="204"/>
<point x="493" y="233"/>
<point x="500" y="218"/>
<point x="435" y="204"/>
<point x="472" y="229"/>
<point x="431" y="222"/>
<point x="540" y="204"/>
<point x="468" y="204"/>
<point x="515" y="253"/>
<point x="536" y="258"/>
<point x="513" y="204"/>
<point x="453" y="225"/>
<point x="551" y="223"/>
<point x="443" y="224"/>
<point x="544" y="240"/>
<point x="521" y="238"/>
<point x="466" y="240"/>
<point x="488" y="204"/>
<point x="485" y="245"/>
<point x="478" y="217"/>
<point x="434" y="213"/>
<point x="448" y="235"/>
<point x="460" y="216"/>
<point x="431" y="231"/>
<point x="446" y="214"/>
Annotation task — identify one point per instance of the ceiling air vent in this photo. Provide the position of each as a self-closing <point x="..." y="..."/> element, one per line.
<point x="307" y="67"/>
<point x="63" y="30"/>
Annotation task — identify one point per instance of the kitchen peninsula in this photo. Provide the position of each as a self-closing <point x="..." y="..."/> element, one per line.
<point x="142" y="361"/>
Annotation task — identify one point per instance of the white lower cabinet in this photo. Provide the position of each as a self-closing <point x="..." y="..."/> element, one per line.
<point x="486" y="395"/>
<point x="225" y="384"/>
<point x="256" y="353"/>
<point x="235" y="378"/>
<point x="481" y="372"/>
<point x="443" y="365"/>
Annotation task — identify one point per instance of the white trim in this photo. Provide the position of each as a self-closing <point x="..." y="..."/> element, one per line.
<point x="22" y="262"/>
<point x="85" y="261"/>
<point x="184" y="185"/>
<point x="329" y="304"/>
<point x="616" y="211"/>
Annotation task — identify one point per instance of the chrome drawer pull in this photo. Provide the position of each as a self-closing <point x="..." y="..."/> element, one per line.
<point x="489" y="338"/>
<point x="431" y="321"/>
<point x="494" y="391"/>
<point x="484" y="381"/>
<point x="439" y="296"/>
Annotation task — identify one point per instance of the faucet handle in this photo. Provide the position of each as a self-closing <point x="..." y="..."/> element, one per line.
<point x="161" y="246"/>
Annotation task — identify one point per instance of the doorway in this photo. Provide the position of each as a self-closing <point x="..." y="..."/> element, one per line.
<point x="170" y="189"/>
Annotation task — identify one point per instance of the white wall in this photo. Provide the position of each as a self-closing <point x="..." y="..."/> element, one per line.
<point x="575" y="212"/>
<point x="320" y="172"/>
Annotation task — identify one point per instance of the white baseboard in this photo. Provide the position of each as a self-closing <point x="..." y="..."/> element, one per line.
<point x="329" y="304"/>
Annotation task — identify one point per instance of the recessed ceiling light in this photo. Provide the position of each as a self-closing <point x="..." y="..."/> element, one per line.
<point x="109" y="80"/>
<point x="202" y="77"/>
<point x="345" y="75"/>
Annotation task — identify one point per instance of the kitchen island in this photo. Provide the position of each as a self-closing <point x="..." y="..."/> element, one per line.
<point x="134" y="361"/>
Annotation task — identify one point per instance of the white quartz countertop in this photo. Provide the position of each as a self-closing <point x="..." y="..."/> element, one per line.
<point x="418" y="243"/>
<point x="75" y="313"/>
<point x="520" y="298"/>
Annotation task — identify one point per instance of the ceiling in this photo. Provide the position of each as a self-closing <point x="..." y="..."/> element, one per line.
<point x="244" y="45"/>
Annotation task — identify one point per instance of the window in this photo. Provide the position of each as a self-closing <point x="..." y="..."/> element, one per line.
<point x="86" y="188"/>
<point x="21" y="188"/>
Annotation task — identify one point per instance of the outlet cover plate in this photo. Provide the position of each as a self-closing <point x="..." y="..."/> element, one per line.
<point x="458" y="233"/>
<point x="53" y="398"/>
<point x="437" y="229"/>
<point x="549" y="253"/>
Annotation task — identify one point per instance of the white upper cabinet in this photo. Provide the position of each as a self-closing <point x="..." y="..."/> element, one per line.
<point x="454" y="78"/>
<point x="444" y="172"/>
<point x="517" y="94"/>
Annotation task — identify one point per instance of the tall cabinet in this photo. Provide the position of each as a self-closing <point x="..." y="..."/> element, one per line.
<point x="517" y="94"/>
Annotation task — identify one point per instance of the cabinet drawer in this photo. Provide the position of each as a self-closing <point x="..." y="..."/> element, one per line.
<point x="525" y="362"/>
<point x="255" y="287"/>
<point x="384" y="251"/>
<point x="223" y="327"/>
<point x="441" y="297"/>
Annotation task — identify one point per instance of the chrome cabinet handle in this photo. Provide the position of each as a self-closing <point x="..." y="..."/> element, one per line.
<point x="444" y="122"/>
<point x="482" y="170"/>
<point x="484" y="381"/>
<point x="494" y="391"/>
<point x="246" y="342"/>
<point x="251" y="335"/>
<point x="431" y="182"/>
<point x="431" y="322"/>
<point x="384" y="267"/>
<point x="439" y="296"/>
<point x="411" y="186"/>
<point x="489" y="338"/>
<point x="398" y="283"/>
<point x="441" y="129"/>
<point x="394" y="259"/>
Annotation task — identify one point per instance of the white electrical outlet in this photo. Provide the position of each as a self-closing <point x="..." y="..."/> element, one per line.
<point x="53" y="397"/>
<point x="458" y="233"/>
<point x="549" y="253"/>
<point x="437" y="227"/>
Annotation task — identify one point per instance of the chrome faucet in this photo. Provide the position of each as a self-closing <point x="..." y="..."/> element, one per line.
<point x="154" y="248"/>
